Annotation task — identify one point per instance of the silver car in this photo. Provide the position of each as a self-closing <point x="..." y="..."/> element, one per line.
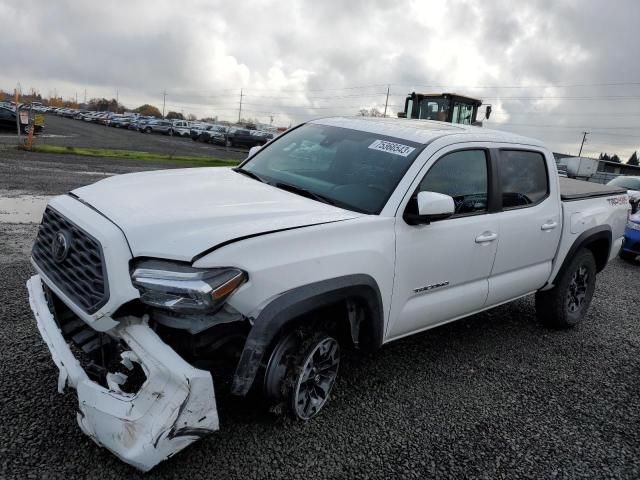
<point x="158" y="126"/>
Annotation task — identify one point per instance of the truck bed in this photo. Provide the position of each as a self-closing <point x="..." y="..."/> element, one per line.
<point x="571" y="190"/>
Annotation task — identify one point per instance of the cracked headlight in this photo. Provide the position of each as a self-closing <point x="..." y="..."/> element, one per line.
<point x="182" y="288"/>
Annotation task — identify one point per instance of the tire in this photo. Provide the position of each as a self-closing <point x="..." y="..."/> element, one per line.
<point x="566" y="304"/>
<point x="302" y="371"/>
<point x="147" y="130"/>
<point x="627" y="256"/>
<point x="228" y="143"/>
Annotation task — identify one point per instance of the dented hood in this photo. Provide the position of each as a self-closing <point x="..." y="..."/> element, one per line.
<point x="178" y="214"/>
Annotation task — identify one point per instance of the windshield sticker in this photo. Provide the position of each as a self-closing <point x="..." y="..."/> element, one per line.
<point x="390" y="147"/>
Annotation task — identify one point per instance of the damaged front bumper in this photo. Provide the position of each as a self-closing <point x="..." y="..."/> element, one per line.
<point x="174" y="407"/>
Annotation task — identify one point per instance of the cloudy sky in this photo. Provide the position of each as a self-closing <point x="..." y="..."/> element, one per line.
<point x="550" y="68"/>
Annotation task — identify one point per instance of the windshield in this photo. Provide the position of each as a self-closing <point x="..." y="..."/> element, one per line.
<point x="350" y="168"/>
<point x="630" y="183"/>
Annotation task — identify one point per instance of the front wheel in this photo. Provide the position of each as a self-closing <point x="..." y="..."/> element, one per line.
<point x="565" y="305"/>
<point x="302" y="371"/>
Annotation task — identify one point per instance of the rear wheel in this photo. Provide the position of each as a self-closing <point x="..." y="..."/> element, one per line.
<point x="567" y="303"/>
<point x="147" y="130"/>
<point x="302" y="371"/>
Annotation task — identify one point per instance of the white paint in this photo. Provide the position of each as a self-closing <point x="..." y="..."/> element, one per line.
<point x="180" y="213"/>
<point x="150" y="425"/>
<point x="487" y="259"/>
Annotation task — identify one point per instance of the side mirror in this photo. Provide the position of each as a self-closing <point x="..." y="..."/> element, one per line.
<point x="487" y="112"/>
<point x="253" y="150"/>
<point x="432" y="206"/>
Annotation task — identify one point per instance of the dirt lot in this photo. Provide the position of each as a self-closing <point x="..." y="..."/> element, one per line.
<point x="493" y="396"/>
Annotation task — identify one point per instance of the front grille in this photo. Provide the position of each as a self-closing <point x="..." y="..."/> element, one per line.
<point x="81" y="273"/>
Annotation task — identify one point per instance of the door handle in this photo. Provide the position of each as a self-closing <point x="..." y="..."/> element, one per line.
<point x="486" y="237"/>
<point x="549" y="225"/>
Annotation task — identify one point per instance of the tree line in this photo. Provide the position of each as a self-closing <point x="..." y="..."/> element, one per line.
<point x="633" y="159"/>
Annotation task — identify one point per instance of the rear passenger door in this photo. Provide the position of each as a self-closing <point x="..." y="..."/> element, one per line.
<point x="529" y="223"/>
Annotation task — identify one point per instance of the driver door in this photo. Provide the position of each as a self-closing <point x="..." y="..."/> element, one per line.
<point x="442" y="268"/>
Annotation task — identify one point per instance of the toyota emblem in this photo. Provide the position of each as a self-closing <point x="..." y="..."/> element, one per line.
<point x="60" y="246"/>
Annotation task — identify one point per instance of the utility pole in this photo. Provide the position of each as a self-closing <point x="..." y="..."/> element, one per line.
<point x="76" y="99"/>
<point x="164" y="100"/>
<point x="117" y="98"/>
<point x="584" y="137"/>
<point x="240" y="110"/>
<point x="386" y="102"/>
<point x="85" y="96"/>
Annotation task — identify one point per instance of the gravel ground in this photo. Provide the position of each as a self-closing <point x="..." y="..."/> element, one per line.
<point x="492" y="396"/>
<point x="75" y="133"/>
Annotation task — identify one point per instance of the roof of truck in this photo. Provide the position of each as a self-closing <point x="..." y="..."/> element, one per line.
<point x="423" y="131"/>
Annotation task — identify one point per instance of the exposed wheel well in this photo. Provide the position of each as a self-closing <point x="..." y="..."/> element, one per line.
<point x="357" y="294"/>
<point x="350" y="320"/>
<point x="600" y="249"/>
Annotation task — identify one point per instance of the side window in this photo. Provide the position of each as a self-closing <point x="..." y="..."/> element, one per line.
<point x="463" y="176"/>
<point x="523" y="177"/>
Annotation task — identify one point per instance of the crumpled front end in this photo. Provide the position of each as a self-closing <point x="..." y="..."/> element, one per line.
<point x="152" y="403"/>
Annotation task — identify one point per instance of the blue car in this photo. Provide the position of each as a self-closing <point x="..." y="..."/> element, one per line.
<point x="631" y="245"/>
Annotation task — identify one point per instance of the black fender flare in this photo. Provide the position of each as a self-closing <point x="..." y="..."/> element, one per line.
<point x="296" y="302"/>
<point x="601" y="232"/>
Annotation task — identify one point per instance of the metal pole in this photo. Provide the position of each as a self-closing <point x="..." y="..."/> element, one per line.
<point x="386" y="102"/>
<point x="240" y="110"/>
<point x="164" y="100"/>
<point x="32" y="128"/>
<point x="18" y="115"/>
<point x="584" y="137"/>
<point x="18" y="122"/>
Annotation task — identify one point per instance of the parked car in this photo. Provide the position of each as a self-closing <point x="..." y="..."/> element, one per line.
<point x="632" y="185"/>
<point x="216" y="134"/>
<point x="122" y="122"/>
<point x="242" y="137"/>
<point x="196" y="130"/>
<point x="8" y="118"/>
<point x="157" y="126"/>
<point x="341" y="232"/>
<point x="631" y="246"/>
<point x="180" y="128"/>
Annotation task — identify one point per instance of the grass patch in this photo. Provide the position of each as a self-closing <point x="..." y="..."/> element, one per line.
<point x="135" y="155"/>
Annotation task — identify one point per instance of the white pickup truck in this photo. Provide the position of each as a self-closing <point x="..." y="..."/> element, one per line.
<point x="341" y="233"/>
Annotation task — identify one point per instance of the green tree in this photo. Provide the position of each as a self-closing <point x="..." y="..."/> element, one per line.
<point x="633" y="159"/>
<point x="615" y="158"/>
<point x="148" y="110"/>
<point x="174" y="116"/>
<point x="605" y="157"/>
<point x="105" y="105"/>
